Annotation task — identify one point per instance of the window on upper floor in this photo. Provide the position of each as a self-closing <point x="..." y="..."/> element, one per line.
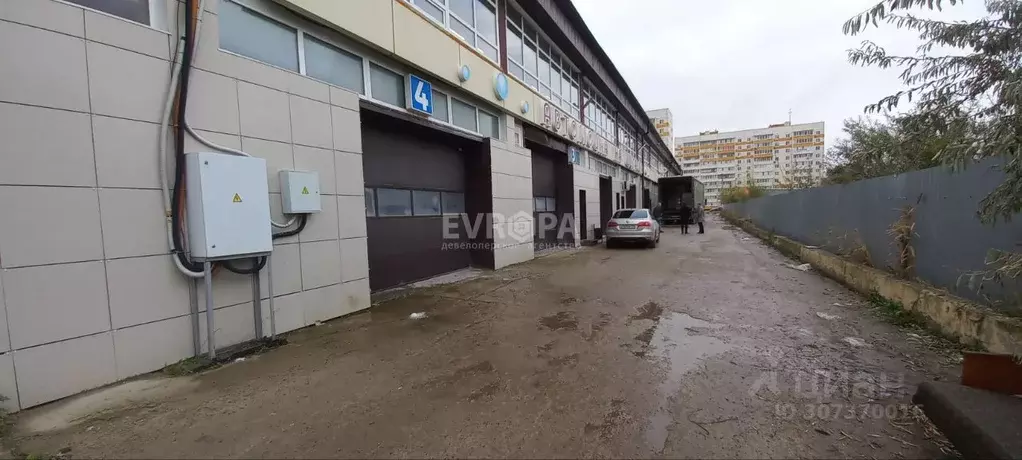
<point x="534" y="60"/>
<point x="148" y="12"/>
<point x="474" y="20"/>
<point x="250" y="34"/>
<point x="273" y="38"/>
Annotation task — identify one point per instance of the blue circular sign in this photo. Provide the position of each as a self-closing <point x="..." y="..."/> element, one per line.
<point x="525" y="106"/>
<point x="500" y="86"/>
<point x="464" y="73"/>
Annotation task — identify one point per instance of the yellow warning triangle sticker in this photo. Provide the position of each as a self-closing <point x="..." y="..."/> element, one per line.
<point x="305" y="190"/>
<point x="237" y="198"/>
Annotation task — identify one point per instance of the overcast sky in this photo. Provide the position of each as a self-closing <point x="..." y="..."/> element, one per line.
<point x="739" y="64"/>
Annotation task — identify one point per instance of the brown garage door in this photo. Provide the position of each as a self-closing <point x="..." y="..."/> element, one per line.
<point x="413" y="174"/>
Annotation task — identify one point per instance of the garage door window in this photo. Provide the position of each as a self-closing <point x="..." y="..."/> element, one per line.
<point x="453" y="203"/>
<point x="545" y="204"/>
<point x="392" y="202"/>
<point x="426" y="203"/>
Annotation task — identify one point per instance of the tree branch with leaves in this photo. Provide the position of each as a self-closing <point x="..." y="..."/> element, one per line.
<point x="976" y="89"/>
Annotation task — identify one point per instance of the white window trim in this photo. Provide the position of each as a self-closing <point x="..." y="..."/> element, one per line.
<point x="157" y="14"/>
<point x="446" y="23"/>
<point x="366" y="66"/>
<point x="539" y="51"/>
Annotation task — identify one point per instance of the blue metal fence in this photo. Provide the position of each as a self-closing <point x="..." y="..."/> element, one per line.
<point x="949" y="240"/>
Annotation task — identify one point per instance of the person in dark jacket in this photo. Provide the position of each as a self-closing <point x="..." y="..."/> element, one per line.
<point x="658" y="213"/>
<point x="686" y="217"/>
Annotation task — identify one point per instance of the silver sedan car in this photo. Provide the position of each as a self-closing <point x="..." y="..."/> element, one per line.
<point x="633" y="225"/>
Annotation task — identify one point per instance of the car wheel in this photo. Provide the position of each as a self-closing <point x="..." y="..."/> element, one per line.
<point x="652" y="244"/>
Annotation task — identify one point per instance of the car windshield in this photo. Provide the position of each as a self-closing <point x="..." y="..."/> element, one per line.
<point x="631" y="214"/>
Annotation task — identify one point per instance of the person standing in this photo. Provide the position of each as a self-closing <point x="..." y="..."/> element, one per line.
<point x="686" y="216"/>
<point x="700" y="215"/>
<point x="658" y="213"/>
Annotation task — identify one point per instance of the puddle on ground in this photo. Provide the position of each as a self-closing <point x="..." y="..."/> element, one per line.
<point x="677" y="341"/>
<point x="562" y="321"/>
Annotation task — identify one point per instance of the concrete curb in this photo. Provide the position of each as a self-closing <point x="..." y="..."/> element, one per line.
<point x="968" y="322"/>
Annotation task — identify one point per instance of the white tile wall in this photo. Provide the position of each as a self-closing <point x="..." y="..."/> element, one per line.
<point x="126" y="34"/>
<point x="354" y="259"/>
<point x="349" y="174"/>
<point x="151" y="346"/>
<point x="322" y="225"/>
<point x="356" y="296"/>
<point x="503" y="257"/>
<point x="323" y="303"/>
<point x="126" y="153"/>
<point x="52" y="75"/>
<point x="343" y="98"/>
<point x="60" y="369"/>
<point x="46" y="225"/>
<point x="8" y="383"/>
<point x="278" y="156"/>
<point x="287" y="272"/>
<point x="347" y="129"/>
<point x="133" y="222"/>
<point x="35" y="156"/>
<point x="234" y="324"/>
<point x="505" y="186"/>
<point x="351" y="216"/>
<point x="37" y="296"/>
<point x="137" y="94"/>
<point x="145" y="289"/>
<point x="321" y="264"/>
<point x="289" y="313"/>
<point x="315" y="128"/>
<point x="5" y="340"/>
<point x="50" y="15"/>
<point x="265" y="113"/>
<point x="213" y="103"/>
<point x="320" y="161"/>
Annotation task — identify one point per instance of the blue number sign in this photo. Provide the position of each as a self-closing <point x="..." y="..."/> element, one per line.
<point x="422" y="94"/>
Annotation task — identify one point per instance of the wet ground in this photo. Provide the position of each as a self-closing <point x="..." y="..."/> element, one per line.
<point x="707" y="346"/>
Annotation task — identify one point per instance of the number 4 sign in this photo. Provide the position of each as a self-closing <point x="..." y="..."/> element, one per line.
<point x="422" y="94"/>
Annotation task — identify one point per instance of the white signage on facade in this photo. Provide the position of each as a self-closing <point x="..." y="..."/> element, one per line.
<point x="561" y="124"/>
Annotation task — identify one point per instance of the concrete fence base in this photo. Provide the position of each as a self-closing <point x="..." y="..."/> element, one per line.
<point x="968" y="322"/>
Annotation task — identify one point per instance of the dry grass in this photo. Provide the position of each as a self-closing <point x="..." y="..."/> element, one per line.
<point x="903" y="230"/>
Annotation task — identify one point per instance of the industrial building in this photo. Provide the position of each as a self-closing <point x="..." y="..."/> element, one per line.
<point x="375" y="121"/>
<point x="781" y="157"/>
<point x="664" y="123"/>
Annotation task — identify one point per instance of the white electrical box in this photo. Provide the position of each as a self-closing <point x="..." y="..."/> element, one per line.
<point x="228" y="206"/>
<point x="299" y="192"/>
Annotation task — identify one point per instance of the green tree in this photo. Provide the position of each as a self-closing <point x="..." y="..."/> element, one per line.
<point x="894" y="145"/>
<point x="978" y="84"/>
<point x="741" y="193"/>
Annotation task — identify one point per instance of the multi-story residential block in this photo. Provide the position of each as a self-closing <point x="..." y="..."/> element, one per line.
<point x="781" y="156"/>
<point x="664" y="123"/>
<point x="407" y="110"/>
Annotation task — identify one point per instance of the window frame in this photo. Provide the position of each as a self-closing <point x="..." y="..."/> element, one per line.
<point x="544" y="46"/>
<point x="444" y="6"/>
<point x="372" y="191"/>
<point x="367" y="63"/>
<point x="158" y="19"/>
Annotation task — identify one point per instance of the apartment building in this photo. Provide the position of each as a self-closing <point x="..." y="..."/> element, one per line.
<point x="405" y="111"/>
<point x="781" y="156"/>
<point x="664" y="123"/>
